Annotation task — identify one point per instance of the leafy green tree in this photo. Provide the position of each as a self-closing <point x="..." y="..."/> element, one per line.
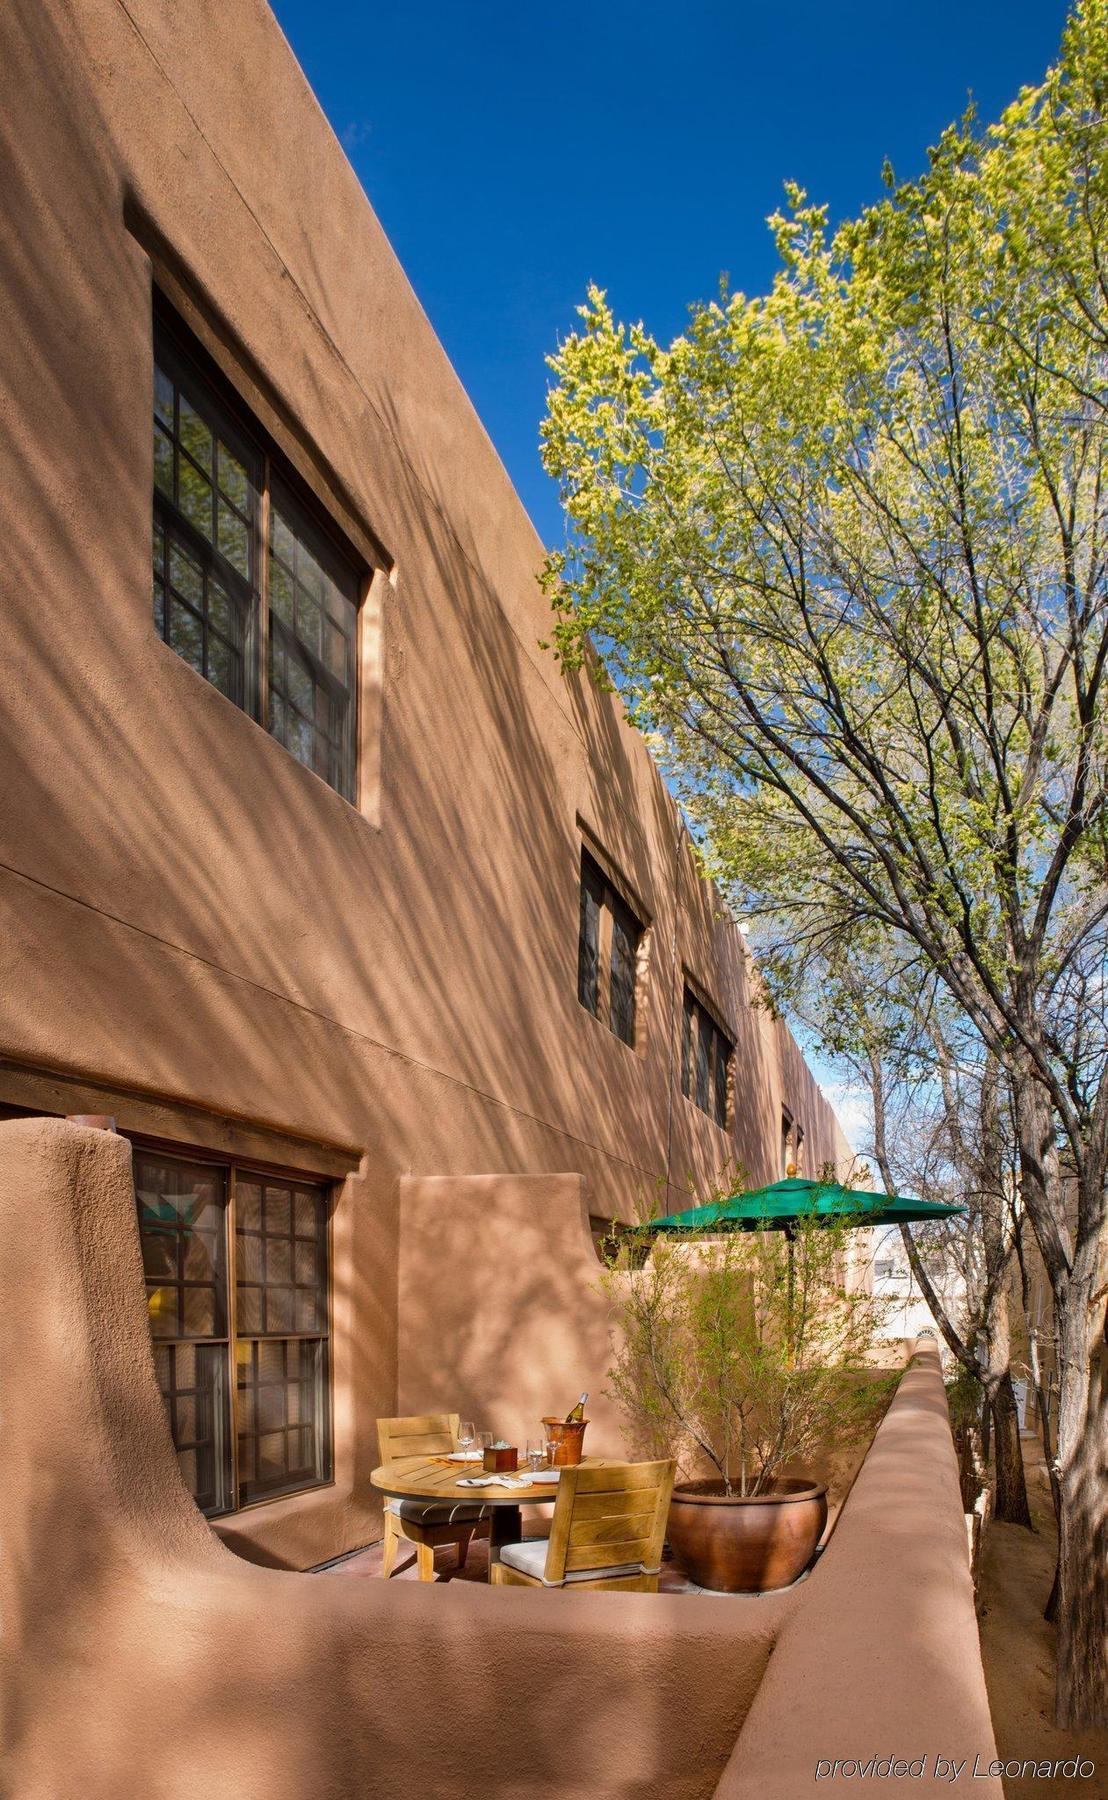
<point x="842" y="548"/>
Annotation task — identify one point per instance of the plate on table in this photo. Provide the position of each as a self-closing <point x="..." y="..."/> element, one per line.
<point x="539" y="1476"/>
<point x="464" y="1455"/>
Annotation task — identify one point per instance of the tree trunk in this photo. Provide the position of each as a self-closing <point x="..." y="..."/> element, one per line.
<point x="1050" y="1610"/>
<point x="1011" y="1486"/>
<point x="1043" y="1405"/>
<point x="973" y="1476"/>
<point x="1081" y="1692"/>
<point x="999" y="1241"/>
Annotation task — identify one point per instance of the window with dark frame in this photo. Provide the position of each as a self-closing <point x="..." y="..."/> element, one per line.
<point x="706" y="1052"/>
<point x="607" y="952"/>
<point x="249" y="588"/>
<point x="264" y="1317"/>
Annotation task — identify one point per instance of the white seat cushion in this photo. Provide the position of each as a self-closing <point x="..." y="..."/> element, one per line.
<point x="530" y="1559"/>
<point x="432" y="1512"/>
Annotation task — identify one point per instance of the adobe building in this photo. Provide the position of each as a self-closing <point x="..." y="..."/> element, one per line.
<point x="379" y="939"/>
<point x="383" y="946"/>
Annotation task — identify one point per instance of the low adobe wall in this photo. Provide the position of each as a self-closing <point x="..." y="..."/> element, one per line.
<point x="881" y="1664"/>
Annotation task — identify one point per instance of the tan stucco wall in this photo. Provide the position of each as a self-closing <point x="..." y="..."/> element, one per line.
<point x="140" y="1660"/>
<point x="199" y="930"/>
<point x="500" y="1300"/>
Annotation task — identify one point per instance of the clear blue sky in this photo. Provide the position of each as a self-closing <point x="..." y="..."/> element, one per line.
<point x="516" y="152"/>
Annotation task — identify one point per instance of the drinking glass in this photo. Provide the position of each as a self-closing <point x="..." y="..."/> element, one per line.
<point x="484" y="1440"/>
<point x="536" y="1455"/>
<point x="465" y="1434"/>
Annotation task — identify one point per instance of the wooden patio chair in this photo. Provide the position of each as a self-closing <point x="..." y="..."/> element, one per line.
<point x="426" y="1523"/>
<point x="608" y="1528"/>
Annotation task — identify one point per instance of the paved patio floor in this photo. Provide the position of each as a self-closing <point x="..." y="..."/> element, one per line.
<point x="367" y="1562"/>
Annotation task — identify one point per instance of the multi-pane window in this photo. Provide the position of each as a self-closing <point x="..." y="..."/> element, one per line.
<point x="248" y="588"/>
<point x="706" y="1052"/>
<point x="607" y="952"/>
<point x="182" y="1220"/>
<point x="206" y="497"/>
<point x="281" y="1332"/>
<point x="313" y="619"/>
<point x="243" y="1360"/>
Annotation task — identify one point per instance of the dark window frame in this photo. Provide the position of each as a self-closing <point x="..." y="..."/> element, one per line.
<point x="707" y="1059"/>
<point x="234" y="1494"/>
<point x="318" y="723"/>
<point x="609" y="947"/>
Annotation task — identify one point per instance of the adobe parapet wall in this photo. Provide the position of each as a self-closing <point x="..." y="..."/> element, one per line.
<point x="880" y="1665"/>
<point x="142" y="1658"/>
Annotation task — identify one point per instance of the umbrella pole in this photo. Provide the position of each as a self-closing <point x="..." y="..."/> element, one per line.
<point x="790" y="1300"/>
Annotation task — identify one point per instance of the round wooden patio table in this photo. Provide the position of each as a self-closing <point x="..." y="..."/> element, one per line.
<point x="432" y="1478"/>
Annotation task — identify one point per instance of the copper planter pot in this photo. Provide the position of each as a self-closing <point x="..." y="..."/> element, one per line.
<point x="738" y="1545"/>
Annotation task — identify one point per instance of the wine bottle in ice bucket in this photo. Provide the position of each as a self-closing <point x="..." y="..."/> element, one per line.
<point x="564" y="1436"/>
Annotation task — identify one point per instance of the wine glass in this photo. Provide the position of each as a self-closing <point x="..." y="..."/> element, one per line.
<point x="465" y="1434"/>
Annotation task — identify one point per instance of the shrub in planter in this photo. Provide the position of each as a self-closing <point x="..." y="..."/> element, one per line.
<point x="730" y="1354"/>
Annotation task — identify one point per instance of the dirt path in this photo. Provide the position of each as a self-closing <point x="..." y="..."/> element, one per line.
<point x="1017" y="1646"/>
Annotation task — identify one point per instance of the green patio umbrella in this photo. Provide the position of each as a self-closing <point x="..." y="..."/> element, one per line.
<point x="782" y="1204"/>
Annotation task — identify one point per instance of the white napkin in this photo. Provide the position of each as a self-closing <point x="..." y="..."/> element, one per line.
<point x="478" y="1481"/>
